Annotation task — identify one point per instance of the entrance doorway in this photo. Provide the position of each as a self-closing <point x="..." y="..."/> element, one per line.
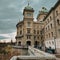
<point x="28" y="43"/>
<point x="19" y="43"/>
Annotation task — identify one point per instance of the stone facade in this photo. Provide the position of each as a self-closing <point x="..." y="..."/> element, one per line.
<point x="52" y="28"/>
<point x="28" y="31"/>
<point x="45" y="31"/>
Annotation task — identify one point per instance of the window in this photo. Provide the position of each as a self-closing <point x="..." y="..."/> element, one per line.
<point x="57" y="13"/>
<point x="50" y="18"/>
<point x="38" y="37"/>
<point x="44" y="16"/>
<point x="20" y="26"/>
<point x="49" y="42"/>
<point x="28" y="24"/>
<point x="28" y="14"/>
<point x="17" y="32"/>
<point x="53" y="42"/>
<point x="52" y="34"/>
<point x="34" y="31"/>
<point x="28" y="37"/>
<point x="49" y="35"/>
<point x="46" y="22"/>
<point x="34" y="37"/>
<point x="37" y="31"/>
<point x="46" y="36"/>
<point x="48" y="28"/>
<point x="28" y="30"/>
<point x="58" y="22"/>
<point x="59" y="31"/>
<point x="51" y="25"/>
<point x="20" y="32"/>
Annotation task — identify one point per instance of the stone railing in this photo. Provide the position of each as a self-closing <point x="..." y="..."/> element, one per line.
<point x="34" y="54"/>
<point x="41" y="54"/>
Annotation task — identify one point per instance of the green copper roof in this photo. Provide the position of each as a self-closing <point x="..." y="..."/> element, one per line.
<point x="28" y="8"/>
<point x="44" y="9"/>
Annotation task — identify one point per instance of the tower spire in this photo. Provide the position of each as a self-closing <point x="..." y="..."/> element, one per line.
<point x="28" y="2"/>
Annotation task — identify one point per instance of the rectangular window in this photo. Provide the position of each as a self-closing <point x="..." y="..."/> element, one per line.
<point x="34" y="31"/>
<point x="56" y="13"/>
<point x="38" y="37"/>
<point x="46" y="36"/>
<point x="52" y="34"/>
<point x="49" y="35"/>
<point x="37" y="31"/>
<point x="48" y="28"/>
<point x="58" y="22"/>
<point x="53" y="42"/>
<point x="34" y="37"/>
<point x="28" y="31"/>
<point x="17" y="32"/>
<point x="28" y="24"/>
<point x="28" y="37"/>
<point x="20" y="32"/>
<point x="20" y="26"/>
<point x="51" y="25"/>
<point x="50" y="18"/>
<point x="59" y="31"/>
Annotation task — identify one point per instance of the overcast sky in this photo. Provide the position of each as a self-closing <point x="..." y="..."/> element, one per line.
<point x="11" y="11"/>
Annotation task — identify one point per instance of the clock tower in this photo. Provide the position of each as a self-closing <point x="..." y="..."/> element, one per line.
<point x="28" y="11"/>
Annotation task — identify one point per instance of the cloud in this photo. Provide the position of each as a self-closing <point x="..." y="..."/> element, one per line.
<point x="8" y="37"/>
<point x="12" y="10"/>
<point x="5" y="35"/>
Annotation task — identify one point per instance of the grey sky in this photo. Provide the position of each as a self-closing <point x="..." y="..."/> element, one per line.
<point x="11" y="11"/>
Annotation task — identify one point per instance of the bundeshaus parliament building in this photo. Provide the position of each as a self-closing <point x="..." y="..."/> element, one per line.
<point x="44" y="32"/>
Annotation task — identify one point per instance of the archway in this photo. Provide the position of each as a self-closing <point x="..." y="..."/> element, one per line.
<point x="19" y="43"/>
<point x="28" y="43"/>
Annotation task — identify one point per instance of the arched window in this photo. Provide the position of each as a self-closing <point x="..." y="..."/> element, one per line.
<point x="58" y="22"/>
<point x="56" y="13"/>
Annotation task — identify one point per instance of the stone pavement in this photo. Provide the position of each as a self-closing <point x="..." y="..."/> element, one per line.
<point x="57" y="58"/>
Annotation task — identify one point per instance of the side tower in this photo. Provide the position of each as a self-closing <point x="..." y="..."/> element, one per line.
<point x="25" y="27"/>
<point x="42" y="14"/>
<point x="28" y="25"/>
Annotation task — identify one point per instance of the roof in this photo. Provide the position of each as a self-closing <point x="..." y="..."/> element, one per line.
<point x="28" y="7"/>
<point x="42" y="12"/>
<point x="44" y="9"/>
<point x="58" y="2"/>
<point x="19" y="23"/>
